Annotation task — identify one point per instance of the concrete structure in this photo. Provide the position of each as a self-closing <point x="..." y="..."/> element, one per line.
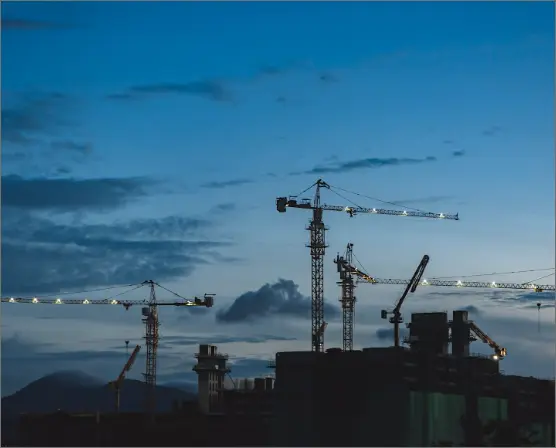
<point x="211" y="369"/>
<point x="249" y="397"/>
<point x="429" y="332"/>
<point x="461" y="335"/>
<point x="423" y="396"/>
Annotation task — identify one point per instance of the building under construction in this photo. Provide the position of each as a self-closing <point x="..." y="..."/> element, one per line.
<point x="418" y="396"/>
<point x="424" y="395"/>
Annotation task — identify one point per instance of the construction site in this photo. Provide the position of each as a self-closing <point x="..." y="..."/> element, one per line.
<point x="426" y="389"/>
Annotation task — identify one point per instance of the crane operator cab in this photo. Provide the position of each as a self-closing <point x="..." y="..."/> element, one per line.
<point x="209" y="300"/>
<point x="281" y="204"/>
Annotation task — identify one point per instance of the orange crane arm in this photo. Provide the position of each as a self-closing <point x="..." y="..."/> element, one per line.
<point x="499" y="351"/>
<point x="128" y="365"/>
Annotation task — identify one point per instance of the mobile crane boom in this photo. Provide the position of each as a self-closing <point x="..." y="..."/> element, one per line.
<point x="396" y="318"/>
<point x="499" y="352"/>
<point x="117" y="384"/>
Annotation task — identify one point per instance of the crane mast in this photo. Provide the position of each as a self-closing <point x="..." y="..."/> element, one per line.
<point x="396" y="318"/>
<point x="317" y="244"/>
<point x="150" y="319"/>
<point x="344" y="266"/>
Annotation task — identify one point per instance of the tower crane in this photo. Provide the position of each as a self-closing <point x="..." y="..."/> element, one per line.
<point x="150" y="319"/>
<point x="348" y="298"/>
<point x="347" y="270"/>
<point x="117" y="384"/>
<point x="317" y="241"/>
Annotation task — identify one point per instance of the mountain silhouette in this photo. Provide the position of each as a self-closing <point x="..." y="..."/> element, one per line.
<point x="75" y="391"/>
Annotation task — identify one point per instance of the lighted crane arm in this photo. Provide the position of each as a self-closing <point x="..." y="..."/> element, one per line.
<point x="206" y="301"/>
<point x="460" y="284"/>
<point x="499" y="351"/>
<point x="283" y="203"/>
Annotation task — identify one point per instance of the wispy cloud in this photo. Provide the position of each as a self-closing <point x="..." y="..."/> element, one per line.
<point x="491" y="130"/>
<point x="209" y="89"/>
<point x="72" y="146"/>
<point x="328" y="77"/>
<point x="423" y="200"/>
<point x="227" y="183"/>
<point x="361" y="164"/>
<point x="225" y="207"/>
<point x="70" y="194"/>
<point x="26" y="24"/>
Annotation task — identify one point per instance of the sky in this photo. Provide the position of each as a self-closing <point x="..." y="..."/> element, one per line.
<point x="151" y="140"/>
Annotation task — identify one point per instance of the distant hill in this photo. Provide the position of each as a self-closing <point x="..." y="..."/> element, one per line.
<point x="74" y="391"/>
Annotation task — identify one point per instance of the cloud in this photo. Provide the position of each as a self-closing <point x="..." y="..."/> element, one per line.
<point x="211" y="90"/>
<point x="545" y="298"/>
<point x="32" y="128"/>
<point x="273" y="70"/>
<point x="423" y="200"/>
<point x="70" y="194"/>
<point x="328" y="78"/>
<point x="471" y="309"/>
<point x="282" y="297"/>
<point x="225" y="207"/>
<point x="360" y="164"/>
<point x="42" y="256"/>
<point x="34" y="117"/>
<point x="25" y="24"/>
<point x="179" y="341"/>
<point x="458" y="153"/>
<point x="383" y="334"/>
<point x="491" y="130"/>
<point x="69" y="145"/>
<point x="227" y="183"/>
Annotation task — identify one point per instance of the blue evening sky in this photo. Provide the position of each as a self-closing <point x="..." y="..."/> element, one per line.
<point x="444" y="107"/>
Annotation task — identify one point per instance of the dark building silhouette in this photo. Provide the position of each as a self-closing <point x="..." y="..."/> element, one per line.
<point x="423" y="395"/>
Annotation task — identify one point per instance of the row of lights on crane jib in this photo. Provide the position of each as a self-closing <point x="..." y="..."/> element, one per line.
<point x="61" y="302"/>
<point x="404" y="213"/>
<point x="492" y="284"/>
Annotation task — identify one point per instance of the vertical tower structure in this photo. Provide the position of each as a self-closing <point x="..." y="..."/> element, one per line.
<point x="150" y="319"/>
<point x="461" y="333"/>
<point x="211" y="369"/>
<point x="317" y="245"/>
<point x="348" y="298"/>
